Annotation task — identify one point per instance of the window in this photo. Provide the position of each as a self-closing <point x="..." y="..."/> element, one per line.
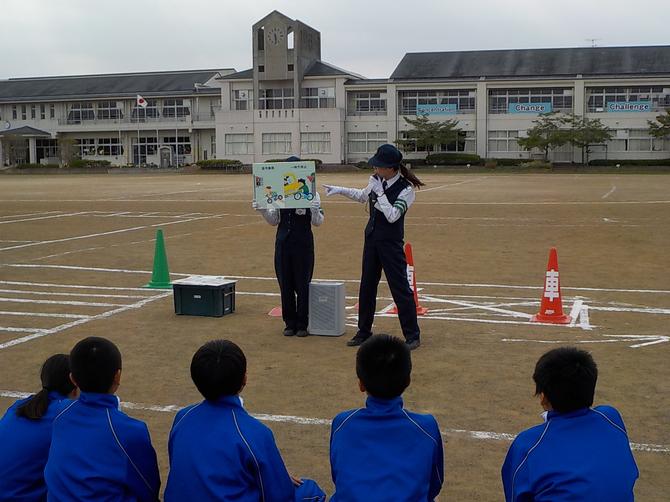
<point x="238" y="144"/>
<point x="261" y="68"/>
<point x="140" y="114"/>
<point x="43" y="112"/>
<point x="463" y="99"/>
<point x="560" y="98"/>
<point x="46" y="148"/>
<point x="366" y="142"/>
<point x="317" y="97"/>
<point x="109" y="146"/>
<point x="86" y="146"/>
<point x="182" y="143"/>
<point x="367" y="103"/>
<point x="277" y="143"/>
<point x="315" y="142"/>
<point x="276" y="99"/>
<point x="213" y="146"/>
<point x="598" y="98"/>
<point x="289" y="67"/>
<point x="147" y="145"/>
<point x="52" y="111"/>
<point x="175" y="108"/>
<point x="635" y="140"/>
<point x="24" y="113"/>
<point x="242" y="99"/>
<point x="80" y="112"/>
<point x="14" y="114"/>
<point x="503" y="141"/>
<point x="107" y="110"/>
<point x="32" y="111"/>
<point x="466" y="142"/>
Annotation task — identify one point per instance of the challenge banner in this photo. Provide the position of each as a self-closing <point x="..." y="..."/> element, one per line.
<point x="284" y="185"/>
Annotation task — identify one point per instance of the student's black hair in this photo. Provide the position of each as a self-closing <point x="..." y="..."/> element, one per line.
<point x="410" y="176"/>
<point x="567" y="377"/>
<point x="94" y="362"/>
<point x="384" y="365"/>
<point x="218" y="369"/>
<point x="55" y="377"/>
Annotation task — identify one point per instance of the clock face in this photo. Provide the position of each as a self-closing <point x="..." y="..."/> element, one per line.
<point x="275" y="35"/>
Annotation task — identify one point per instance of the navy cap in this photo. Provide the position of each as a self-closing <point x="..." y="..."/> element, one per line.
<point x="386" y="156"/>
<point x="293" y="158"/>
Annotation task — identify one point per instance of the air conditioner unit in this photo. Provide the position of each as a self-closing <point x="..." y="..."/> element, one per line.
<point x="326" y="308"/>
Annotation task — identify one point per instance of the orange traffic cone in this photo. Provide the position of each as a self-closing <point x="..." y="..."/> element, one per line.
<point x="551" y="308"/>
<point x="411" y="278"/>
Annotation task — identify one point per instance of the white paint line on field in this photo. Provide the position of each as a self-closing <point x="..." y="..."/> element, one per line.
<point x="612" y="190"/>
<point x="52" y="293"/>
<point x="56" y="302"/>
<point x="63" y="327"/>
<point x="297" y="420"/>
<point x="25" y="215"/>
<point x="44" y="314"/>
<point x="19" y="330"/>
<point x="638" y="340"/>
<point x="512" y="313"/>
<point x="65" y="215"/>
<point x="584" y="322"/>
<point x="449" y="185"/>
<point x="67" y="239"/>
<point x="574" y="313"/>
<point x="74" y="286"/>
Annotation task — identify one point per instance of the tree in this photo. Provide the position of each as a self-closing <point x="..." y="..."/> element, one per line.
<point x="583" y="132"/>
<point x="549" y="132"/>
<point x="68" y="150"/>
<point x="661" y="128"/>
<point x="426" y="133"/>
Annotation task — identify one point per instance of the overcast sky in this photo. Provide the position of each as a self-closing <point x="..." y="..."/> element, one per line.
<point x="369" y="37"/>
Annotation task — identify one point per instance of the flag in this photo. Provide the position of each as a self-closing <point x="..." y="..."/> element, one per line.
<point x="141" y="101"/>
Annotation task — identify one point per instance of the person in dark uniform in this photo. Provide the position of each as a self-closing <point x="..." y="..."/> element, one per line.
<point x="294" y="259"/>
<point x="390" y="193"/>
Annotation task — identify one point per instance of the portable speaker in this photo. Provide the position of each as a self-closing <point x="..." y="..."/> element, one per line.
<point x="326" y="308"/>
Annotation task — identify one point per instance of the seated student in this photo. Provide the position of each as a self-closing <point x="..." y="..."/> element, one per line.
<point x="220" y="452"/>
<point x="25" y="433"/>
<point x="578" y="453"/>
<point x="383" y="452"/>
<point x="98" y="452"/>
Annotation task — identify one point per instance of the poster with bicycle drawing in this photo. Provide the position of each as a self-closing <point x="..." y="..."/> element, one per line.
<point x="284" y="185"/>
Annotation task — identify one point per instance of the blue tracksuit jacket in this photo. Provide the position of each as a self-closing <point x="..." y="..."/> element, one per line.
<point x="24" y="448"/>
<point x="581" y="455"/>
<point x="219" y="452"/>
<point x="99" y="453"/>
<point x="383" y="452"/>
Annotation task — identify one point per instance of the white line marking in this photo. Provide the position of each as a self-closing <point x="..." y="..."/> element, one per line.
<point x="648" y="339"/>
<point x="292" y="419"/>
<point x="44" y="314"/>
<point x="45" y="217"/>
<point x="55" y="302"/>
<point x="424" y="190"/>
<point x="480" y="307"/>
<point x="52" y="293"/>
<point x="612" y="190"/>
<point x="28" y="214"/>
<point x="66" y="239"/>
<point x="75" y="286"/>
<point x="584" y="318"/>
<point x="78" y="322"/>
<point x="19" y="330"/>
<point x="574" y="313"/>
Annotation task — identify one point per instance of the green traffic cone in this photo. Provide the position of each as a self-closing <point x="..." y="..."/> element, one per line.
<point x="160" y="277"/>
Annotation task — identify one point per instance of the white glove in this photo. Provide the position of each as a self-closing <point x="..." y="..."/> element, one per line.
<point x="376" y="185"/>
<point x="332" y="190"/>
<point x="255" y="207"/>
<point x="316" y="204"/>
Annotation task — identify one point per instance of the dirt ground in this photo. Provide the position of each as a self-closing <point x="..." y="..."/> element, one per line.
<point x="75" y="251"/>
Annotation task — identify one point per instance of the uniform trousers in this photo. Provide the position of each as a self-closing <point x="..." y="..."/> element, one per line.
<point x="294" y="266"/>
<point x="388" y="255"/>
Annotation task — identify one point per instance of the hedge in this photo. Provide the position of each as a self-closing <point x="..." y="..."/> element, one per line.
<point x="42" y="166"/>
<point x="89" y="163"/>
<point x="638" y="162"/>
<point x="218" y="163"/>
<point x="452" y="159"/>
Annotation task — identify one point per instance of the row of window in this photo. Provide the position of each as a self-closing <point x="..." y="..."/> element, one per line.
<point x="33" y="111"/>
<point x="283" y="98"/>
<point x="106" y="110"/>
<point x="634" y="140"/>
<point x="278" y="143"/>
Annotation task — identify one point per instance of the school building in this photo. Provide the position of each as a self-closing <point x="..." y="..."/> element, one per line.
<point x="291" y="102"/>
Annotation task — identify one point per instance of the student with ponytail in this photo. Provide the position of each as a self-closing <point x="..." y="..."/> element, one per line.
<point x="25" y="433"/>
<point x="390" y="193"/>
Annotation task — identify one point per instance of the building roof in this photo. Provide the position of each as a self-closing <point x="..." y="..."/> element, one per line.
<point x="316" y="69"/>
<point x="172" y="83"/>
<point x="561" y="63"/>
<point x="25" y="131"/>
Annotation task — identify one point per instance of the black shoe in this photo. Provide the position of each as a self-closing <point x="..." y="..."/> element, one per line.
<point x="357" y="340"/>
<point x="413" y="344"/>
<point x="302" y="333"/>
<point x="289" y="332"/>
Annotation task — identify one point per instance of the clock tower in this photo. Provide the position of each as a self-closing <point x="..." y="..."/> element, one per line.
<point x="283" y="48"/>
